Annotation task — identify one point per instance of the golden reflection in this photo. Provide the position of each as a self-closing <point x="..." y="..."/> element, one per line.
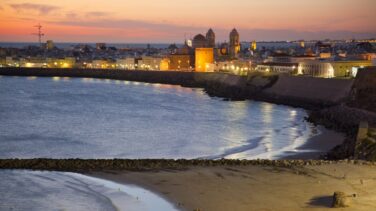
<point x="126" y="82"/>
<point x="56" y="78"/>
<point x="156" y="85"/>
<point x="31" y="78"/>
<point x="267" y="111"/>
<point x="87" y="79"/>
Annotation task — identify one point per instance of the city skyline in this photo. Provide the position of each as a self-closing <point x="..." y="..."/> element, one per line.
<point x="164" y="21"/>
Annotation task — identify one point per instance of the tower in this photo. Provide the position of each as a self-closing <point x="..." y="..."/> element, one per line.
<point x="39" y="34"/>
<point x="253" y="45"/>
<point x="210" y="37"/>
<point x="234" y="47"/>
<point x="302" y="44"/>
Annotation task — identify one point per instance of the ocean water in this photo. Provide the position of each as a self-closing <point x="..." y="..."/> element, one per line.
<point x="46" y="190"/>
<point x="100" y="118"/>
<point x="92" y="118"/>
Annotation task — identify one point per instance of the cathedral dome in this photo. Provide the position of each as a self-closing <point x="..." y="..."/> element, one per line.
<point x="199" y="38"/>
<point x="199" y="41"/>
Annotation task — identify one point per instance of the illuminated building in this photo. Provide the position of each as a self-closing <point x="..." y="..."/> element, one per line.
<point x="9" y="61"/>
<point x="237" y="67"/>
<point x="253" y="45"/>
<point x="290" y="68"/>
<point x="316" y="69"/>
<point x="234" y="45"/>
<point x="180" y="62"/>
<point x="127" y="63"/>
<point x="103" y="64"/>
<point x="347" y="68"/>
<point x="302" y="44"/>
<point x="164" y="64"/>
<point x="328" y="69"/>
<point x="210" y="37"/>
<point x="50" y="45"/>
<point x="286" y="58"/>
<point x="203" y="57"/>
<point x="325" y="55"/>
<point x="152" y="63"/>
<point x="67" y="62"/>
<point x="2" y="62"/>
<point x="33" y="62"/>
<point x="120" y="63"/>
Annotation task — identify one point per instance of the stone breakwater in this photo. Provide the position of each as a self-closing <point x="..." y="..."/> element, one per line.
<point x="303" y="92"/>
<point x="84" y="165"/>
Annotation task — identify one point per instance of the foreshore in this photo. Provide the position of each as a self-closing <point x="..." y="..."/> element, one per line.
<point x="318" y="146"/>
<point x="230" y="184"/>
<point x="256" y="187"/>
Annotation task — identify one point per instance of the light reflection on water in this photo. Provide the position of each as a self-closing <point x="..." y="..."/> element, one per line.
<point x="102" y="118"/>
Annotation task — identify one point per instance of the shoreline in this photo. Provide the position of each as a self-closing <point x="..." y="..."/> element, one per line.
<point x="254" y="187"/>
<point x="318" y="146"/>
<point x="230" y="184"/>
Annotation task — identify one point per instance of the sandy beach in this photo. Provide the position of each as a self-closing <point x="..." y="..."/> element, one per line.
<point x="256" y="187"/>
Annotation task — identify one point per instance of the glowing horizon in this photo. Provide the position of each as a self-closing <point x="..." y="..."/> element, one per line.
<point x="165" y="21"/>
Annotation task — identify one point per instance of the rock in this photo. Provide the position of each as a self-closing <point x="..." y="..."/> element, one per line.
<point x="340" y="200"/>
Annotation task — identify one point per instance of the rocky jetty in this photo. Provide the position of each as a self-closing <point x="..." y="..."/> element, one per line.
<point x="84" y="165"/>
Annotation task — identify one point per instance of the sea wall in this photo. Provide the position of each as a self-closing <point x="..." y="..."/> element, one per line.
<point x="364" y="90"/>
<point x="164" y="77"/>
<point x="308" y="91"/>
<point x="304" y="92"/>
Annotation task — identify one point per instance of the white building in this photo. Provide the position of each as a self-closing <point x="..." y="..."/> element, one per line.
<point x="237" y="67"/>
<point x="127" y="63"/>
<point x="149" y="63"/>
<point x="316" y="69"/>
<point x="328" y="69"/>
<point x="290" y="68"/>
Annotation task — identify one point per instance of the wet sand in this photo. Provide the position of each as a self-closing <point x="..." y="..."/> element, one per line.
<point x="256" y="187"/>
<point x="317" y="146"/>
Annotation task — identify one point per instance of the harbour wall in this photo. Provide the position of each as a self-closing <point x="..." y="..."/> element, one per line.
<point x="306" y="92"/>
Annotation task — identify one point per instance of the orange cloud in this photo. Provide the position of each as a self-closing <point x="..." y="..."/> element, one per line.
<point x="40" y="8"/>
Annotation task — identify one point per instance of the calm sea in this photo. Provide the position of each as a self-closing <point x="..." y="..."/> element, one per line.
<point x="97" y="118"/>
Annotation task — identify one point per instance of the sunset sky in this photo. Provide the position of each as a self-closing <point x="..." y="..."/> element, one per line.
<point x="166" y="21"/>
